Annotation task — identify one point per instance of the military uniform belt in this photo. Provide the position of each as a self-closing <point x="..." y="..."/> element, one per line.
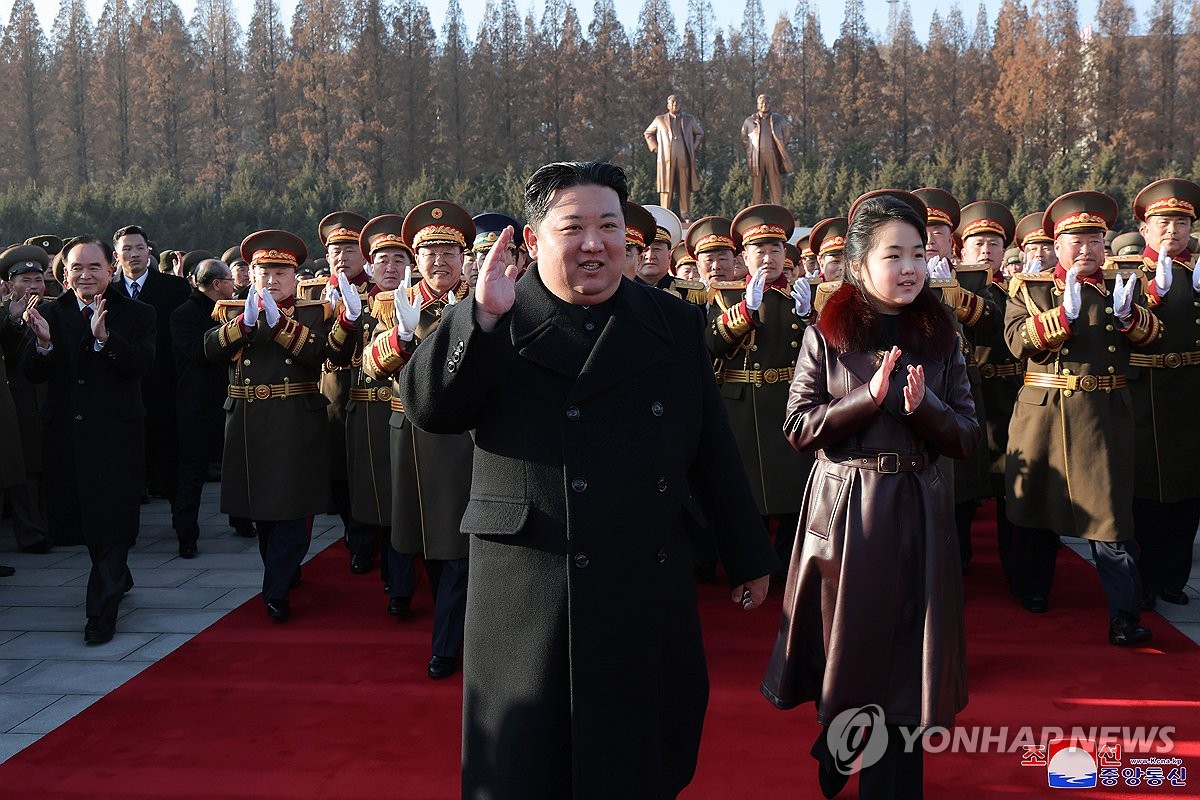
<point x="397" y="405"/>
<point x="1075" y="383"/>
<point x="1165" y="360"/>
<point x="381" y="395"/>
<point x="1001" y="370"/>
<point x="888" y="463"/>
<point x="265" y="391"/>
<point x="760" y="376"/>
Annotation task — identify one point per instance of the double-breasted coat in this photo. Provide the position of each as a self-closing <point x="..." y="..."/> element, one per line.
<point x="368" y="430"/>
<point x="1002" y="373"/>
<point x="93" y="434"/>
<point x="872" y="612"/>
<point x="1070" y="450"/>
<point x="276" y="460"/>
<point x="584" y="671"/>
<point x="431" y="472"/>
<point x="759" y="352"/>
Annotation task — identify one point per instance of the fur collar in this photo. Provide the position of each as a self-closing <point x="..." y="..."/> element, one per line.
<point x="850" y="324"/>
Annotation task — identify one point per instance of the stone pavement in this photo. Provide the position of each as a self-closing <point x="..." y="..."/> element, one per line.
<point x="48" y="675"/>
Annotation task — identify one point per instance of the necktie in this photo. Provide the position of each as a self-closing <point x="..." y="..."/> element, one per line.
<point x="87" y="314"/>
<point x="135" y="290"/>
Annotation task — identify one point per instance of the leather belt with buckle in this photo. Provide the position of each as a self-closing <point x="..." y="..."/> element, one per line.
<point x="1001" y="370"/>
<point x="887" y="463"/>
<point x="266" y="391"/>
<point x="1165" y="360"/>
<point x="380" y="395"/>
<point x="1075" y="383"/>
<point x="759" y="377"/>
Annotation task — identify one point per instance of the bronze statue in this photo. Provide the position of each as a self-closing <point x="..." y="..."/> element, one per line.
<point x="675" y="137"/>
<point x="765" y="135"/>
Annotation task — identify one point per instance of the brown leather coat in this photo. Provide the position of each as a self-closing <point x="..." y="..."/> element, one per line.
<point x="872" y="612"/>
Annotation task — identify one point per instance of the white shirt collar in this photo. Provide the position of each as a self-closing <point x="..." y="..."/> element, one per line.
<point x="140" y="281"/>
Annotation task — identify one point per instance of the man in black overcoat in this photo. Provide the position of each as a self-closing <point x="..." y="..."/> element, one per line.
<point x="93" y="347"/>
<point x="599" y="437"/>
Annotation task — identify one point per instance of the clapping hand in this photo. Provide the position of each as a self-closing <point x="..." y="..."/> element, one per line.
<point x="939" y="268"/>
<point x="270" y="308"/>
<point x="754" y="290"/>
<point x="1032" y="264"/>
<point x="914" y="391"/>
<point x="882" y="378"/>
<point x="250" y="312"/>
<point x="1072" y="295"/>
<point x="496" y="286"/>
<point x="99" y="317"/>
<point x="802" y="295"/>
<point x="408" y="312"/>
<point x="350" y="296"/>
<point x="1123" y="298"/>
<point x="1162" y="274"/>
<point x="37" y="323"/>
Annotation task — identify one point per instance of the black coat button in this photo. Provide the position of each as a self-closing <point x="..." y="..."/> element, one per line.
<point x="662" y="555"/>
<point x="579" y="485"/>
<point x="662" y="484"/>
<point x="573" y="413"/>
<point x="656" y="408"/>
<point x="581" y="560"/>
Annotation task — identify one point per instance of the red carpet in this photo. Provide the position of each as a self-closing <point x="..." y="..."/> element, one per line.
<point x="335" y="704"/>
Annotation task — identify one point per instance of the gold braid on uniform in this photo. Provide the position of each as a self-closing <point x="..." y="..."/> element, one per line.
<point x="341" y="333"/>
<point x="1044" y="330"/>
<point x="734" y="324"/>
<point x="291" y="335"/>
<point x="1145" y="328"/>
<point x="229" y="314"/>
<point x="968" y="307"/>
<point x="385" y="356"/>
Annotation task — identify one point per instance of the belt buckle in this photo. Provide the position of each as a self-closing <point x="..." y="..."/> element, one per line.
<point x="884" y="459"/>
<point x="384" y="393"/>
<point x="1089" y="383"/>
<point x="987" y="370"/>
<point x="262" y="391"/>
<point x="770" y="375"/>
<point x="1173" y="360"/>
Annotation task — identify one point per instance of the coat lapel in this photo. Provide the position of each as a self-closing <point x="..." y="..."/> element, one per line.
<point x="635" y="338"/>
<point x="535" y="319"/>
<point x="862" y="364"/>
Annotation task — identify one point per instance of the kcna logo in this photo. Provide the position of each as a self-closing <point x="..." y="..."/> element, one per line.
<point x="857" y="738"/>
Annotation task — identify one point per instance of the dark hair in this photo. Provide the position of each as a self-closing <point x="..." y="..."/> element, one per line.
<point x="131" y="229"/>
<point x="86" y="238"/>
<point x="209" y="270"/>
<point x="550" y="178"/>
<point x="869" y="218"/>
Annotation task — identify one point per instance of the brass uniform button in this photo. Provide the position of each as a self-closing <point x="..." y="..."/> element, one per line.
<point x="1108" y="328"/>
<point x="1067" y="393"/>
<point x="1108" y="310"/>
<point x="1112" y="370"/>
<point x="754" y="347"/>
<point x="246" y="363"/>
<point x="1112" y="348"/>
<point x="1066" y="372"/>
<point x="795" y="327"/>
<point x="1066" y="351"/>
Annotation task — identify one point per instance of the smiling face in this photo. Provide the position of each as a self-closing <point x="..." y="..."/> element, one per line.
<point x="1082" y="250"/>
<point x="441" y="266"/>
<point x="580" y="244"/>
<point x="894" y="270"/>
<point x="88" y="271"/>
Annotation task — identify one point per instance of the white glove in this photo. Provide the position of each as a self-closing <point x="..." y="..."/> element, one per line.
<point x="1032" y="265"/>
<point x="332" y="296"/>
<point x="1072" y="295"/>
<point x="408" y="314"/>
<point x="939" y="268"/>
<point x="350" y="296"/>
<point x="250" y="315"/>
<point x="1196" y="279"/>
<point x="1123" y="298"/>
<point x="754" y="290"/>
<point x="814" y="274"/>
<point x="1162" y="275"/>
<point x="802" y="294"/>
<point x="451" y="298"/>
<point x="270" y="309"/>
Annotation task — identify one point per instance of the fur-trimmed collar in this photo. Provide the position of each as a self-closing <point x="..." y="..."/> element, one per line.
<point x="848" y="322"/>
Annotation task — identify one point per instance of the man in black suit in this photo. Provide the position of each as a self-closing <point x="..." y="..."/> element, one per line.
<point x="599" y="437"/>
<point x="93" y="347"/>
<point x="200" y="397"/>
<point x="165" y="293"/>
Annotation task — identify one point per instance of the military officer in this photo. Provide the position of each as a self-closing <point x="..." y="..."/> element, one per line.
<point x="756" y="328"/>
<point x="53" y="247"/>
<point x="683" y="264"/>
<point x="1037" y="249"/>
<point x="276" y="464"/>
<point x="1164" y="380"/>
<point x="808" y="259"/>
<point x="655" y="268"/>
<point x="1071" y="440"/>
<point x="1129" y="244"/>
<point x="828" y="240"/>
<point x="431" y="473"/>
<point x="488" y="228"/>
<point x="241" y="271"/>
<point x="710" y="241"/>
<point x="339" y="233"/>
<point x="640" y="228"/>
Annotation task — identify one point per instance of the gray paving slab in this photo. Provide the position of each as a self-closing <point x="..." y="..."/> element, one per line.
<point x="56" y="713"/>
<point x="7" y="635"/>
<point x="163" y="577"/>
<point x="69" y="645"/>
<point x="229" y="578"/>
<point x="163" y="620"/>
<point x="172" y="597"/>
<point x="211" y="545"/>
<point x="234" y="598"/>
<point x="210" y="561"/>
<point x="10" y="668"/>
<point x="48" y="576"/>
<point x="1173" y="613"/>
<point x="160" y="646"/>
<point x="136" y="561"/>
<point x="44" y="619"/>
<point x="15" y="709"/>
<point x="13" y="743"/>
<point x="74" y="677"/>
<point x="55" y="558"/>
<point x="18" y="596"/>
<point x="1190" y="630"/>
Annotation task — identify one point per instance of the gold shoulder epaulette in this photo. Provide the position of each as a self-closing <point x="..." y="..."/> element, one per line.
<point x="942" y="283"/>
<point x="310" y="303"/>
<point x="825" y="290"/>
<point x="723" y="285"/>
<point x="226" y="310"/>
<point x="307" y="283"/>
<point x="1021" y="278"/>
<point x="681" y="283"/>
<point x="1113" y="263"/>
<point x="972" y="268"/>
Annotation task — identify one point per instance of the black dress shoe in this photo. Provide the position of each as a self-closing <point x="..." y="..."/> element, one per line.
<point x="99" y="630"/>
<point x="39" y="548"/>
<point x="1124" y="631"/>
<point x="1035" y="605"/>
<point x="246" y="532"/>
<point x="187" y="551"/>
<point x="360" y="564"/>
<point x="831" y="780"/>
<point x="6" y="571"/>
<point x="442" y="666"/>
<point x="400" y="607"/>
<point x="1175" y="597"/>
<point x="278" y="610"/>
